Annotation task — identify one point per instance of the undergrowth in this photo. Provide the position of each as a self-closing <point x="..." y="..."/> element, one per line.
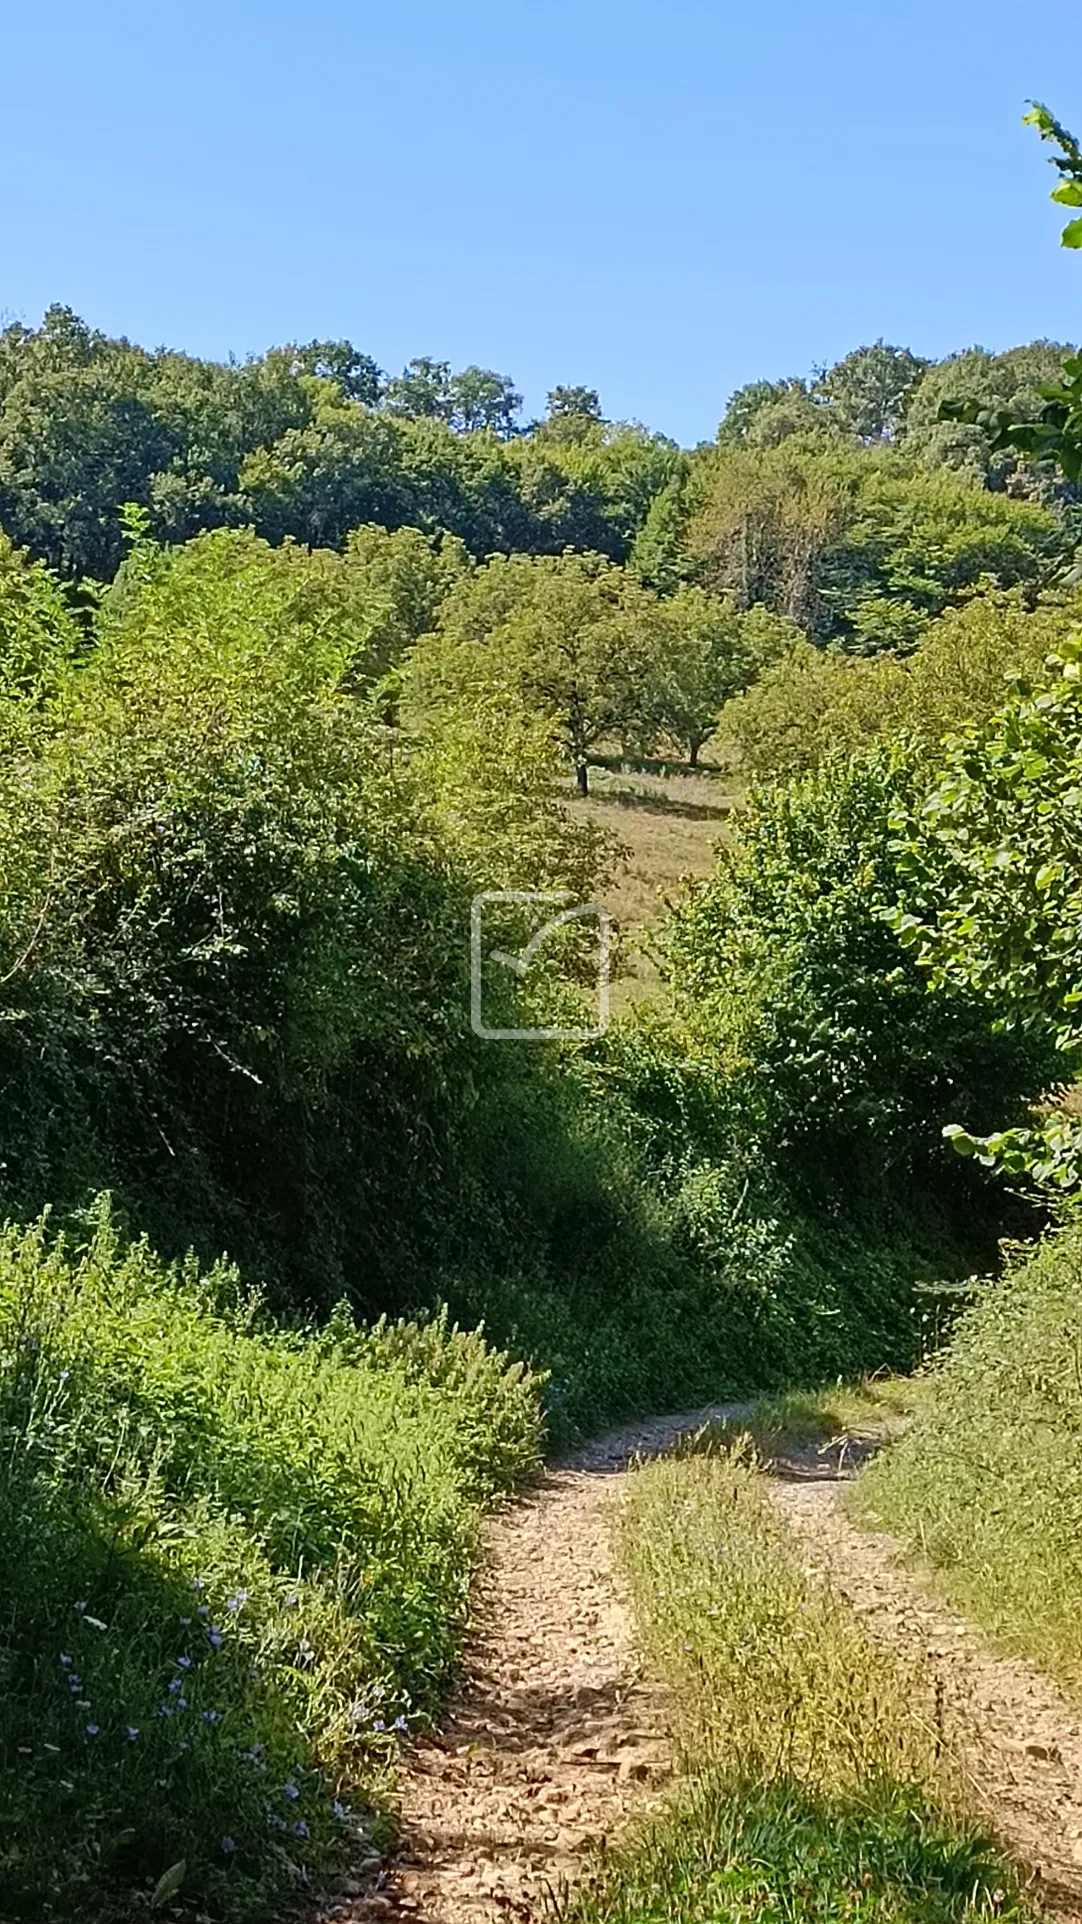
<point x="236" y="1564"/>
<point x="987" y="1483"/>
<point x="815" y="1783"/>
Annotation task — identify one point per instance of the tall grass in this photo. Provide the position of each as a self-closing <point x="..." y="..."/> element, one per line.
<point x="815" y="1785"/>
<point x="987" y="1482"/>
<point x="236" y="1564"/>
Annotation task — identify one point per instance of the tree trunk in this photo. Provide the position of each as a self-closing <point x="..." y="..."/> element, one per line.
<point x="693" y="754"/>
<point x="582" y="778"/>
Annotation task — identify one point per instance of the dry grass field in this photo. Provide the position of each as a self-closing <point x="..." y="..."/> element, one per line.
<point x="669" y="825"/>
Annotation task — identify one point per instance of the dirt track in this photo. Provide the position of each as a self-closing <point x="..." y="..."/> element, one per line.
<point x="555" y="1735"/>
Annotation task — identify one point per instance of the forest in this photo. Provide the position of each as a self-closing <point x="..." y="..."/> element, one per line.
<point x="298" y="1273"/>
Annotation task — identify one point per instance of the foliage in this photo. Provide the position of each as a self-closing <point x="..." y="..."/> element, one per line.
<point x="784" y="969"/>
<point x="988" y="897"/>
<point x="953" y="410"/>
<point x="234" y="1557"/>
<point x="986" y="1483"/>
<point x="572" y="640"/>
<point x="863" y="398"/>
<point x="813" y="1757"/>
<point x="860" y="547"/>
<point x="814" y="701"/>
<point x="1068" y="163"/>
<point x="305" y="442"/>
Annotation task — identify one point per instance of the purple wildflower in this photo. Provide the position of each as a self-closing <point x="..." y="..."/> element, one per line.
<point x="183" y="1663"/>
<point x="228" y="1846"/>
<point x="215" y="1637"/>
<point x="300" y="1828"/>
<point x="238" y="1598"/>
<point x="211" y="1716"/>
<point x="290" y="1791"/>
<point x="92" y="1730"/>
<point x="65" y="1661"/>
<point x="131" y="1733"/>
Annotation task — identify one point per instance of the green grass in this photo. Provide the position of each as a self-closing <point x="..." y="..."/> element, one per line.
<point x="815" y="1782"/>
<point x="233" y="1558"/>
<point x="836" y="1417"/>
<point x="986" y="1485"/>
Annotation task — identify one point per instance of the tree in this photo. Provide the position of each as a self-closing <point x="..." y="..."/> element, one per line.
<point x="868" y="391"/>
<point x="857" y="545"/>
<point x="482" y="401"/>
<point x="569" y="638"/>
<point x="706" y="651"/>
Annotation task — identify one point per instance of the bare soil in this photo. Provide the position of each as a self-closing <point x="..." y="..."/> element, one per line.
<point x="555" y="1734"/>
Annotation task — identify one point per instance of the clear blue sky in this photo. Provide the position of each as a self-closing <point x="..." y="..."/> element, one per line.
<point x="661" y="201"/>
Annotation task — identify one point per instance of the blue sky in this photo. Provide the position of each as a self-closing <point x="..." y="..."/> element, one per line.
<point x="658" y="201"/>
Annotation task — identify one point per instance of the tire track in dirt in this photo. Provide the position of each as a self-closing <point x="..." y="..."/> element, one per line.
<point x="554" y="1735"/>
<point x="1017" y="1736"/>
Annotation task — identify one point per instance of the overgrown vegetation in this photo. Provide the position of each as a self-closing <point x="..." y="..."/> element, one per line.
<point x="295" y="661"/>
<point x="986" y="1484"/>
<point x="814" y="1784"/>
<point x="236" y="1562"/>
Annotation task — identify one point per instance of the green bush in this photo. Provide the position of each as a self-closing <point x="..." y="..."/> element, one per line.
<point x="233" y="1557"/>
<point x="787" y="974"/>
<point x="987" y="1482"/>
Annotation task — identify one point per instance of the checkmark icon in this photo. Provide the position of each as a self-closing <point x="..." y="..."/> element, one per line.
<point x="519" y="963"/>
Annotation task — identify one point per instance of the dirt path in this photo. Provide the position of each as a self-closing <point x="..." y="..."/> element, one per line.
<point x="1019" y="1738"/>
<point x="555" y="1734"/>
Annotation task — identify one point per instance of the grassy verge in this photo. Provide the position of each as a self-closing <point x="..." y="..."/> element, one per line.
<point x="839" y="1421"/>
<point x="235" y="1560"/>
<point x="986" y="1485"/>
<point x="815" y="1785"/>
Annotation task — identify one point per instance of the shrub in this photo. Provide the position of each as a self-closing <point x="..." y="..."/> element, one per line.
<point x="233" y="1557"/>
<point x="987" y="1482"/>
<point x="786" y="973"/>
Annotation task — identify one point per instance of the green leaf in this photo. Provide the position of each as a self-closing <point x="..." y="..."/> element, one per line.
<point x="169" y="1884"/>
<point x="1068" y="193"/>
<point x="1072" y="234"/>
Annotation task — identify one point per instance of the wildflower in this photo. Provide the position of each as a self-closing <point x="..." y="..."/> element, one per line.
<point x="275" y="1822"/>
<point x="80" y="1607"/>
<point x="185" y="1623"/>
<point x="131" y="1733"/>
<point x="215" y="1637"/>
<point x="176" y="1684"/>
<point x="182" y="1703"/>
<point x="211" y="1716"/>
<point x="339" y="1810"/>
<point x="203" y="1610"/>
<point x="65" y="1661"/>
<point x="183" y="1663"/>
<point x="290" y="1791"/>
<point x="401" y="1726"/>
<point x="92" y="1730"/>
<point x="228" y="1846"/>
<point x="291" y="1602"/>
<point x="198" y="1584"/>
<point x="379" y="1726"/>
<point x="63" y="1377"/>
<point x="165" y="1710"/>
<point x="236" y="1600"/>
<point x="300" y="1828"/>
<point x="75" y="1684"/>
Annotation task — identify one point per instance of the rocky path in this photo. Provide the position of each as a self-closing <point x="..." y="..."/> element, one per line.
<point x="555" y="1734"/>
